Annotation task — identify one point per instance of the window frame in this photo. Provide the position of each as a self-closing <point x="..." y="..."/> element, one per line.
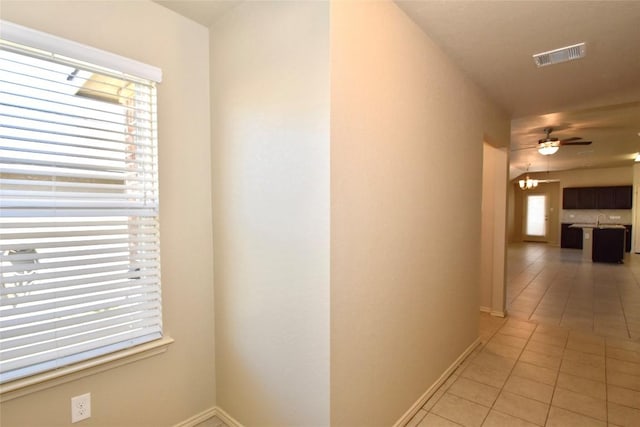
<point x="66" y="48"/>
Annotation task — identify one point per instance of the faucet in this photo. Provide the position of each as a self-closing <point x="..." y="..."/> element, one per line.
<point x="598" y="219"/>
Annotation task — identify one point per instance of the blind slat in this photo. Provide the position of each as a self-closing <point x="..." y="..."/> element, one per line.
<point x="37" y="276"/>
<point x="62" y="213"/>
<point x="59" y="78"/>
<point x="82" y="261"/>
<point x="78" y="355"/>
<point x="134" y="304"/>
<point x="46" y="105"/>
<point x="44" y="320"/>
<point x="85" y="342"/>
<point x="33" y="342"/>
<point x="57" y="139"/>
<point x="25" y="140"/>
<point x="55" y="115"/>
<point x="104" y="222"/>
<point x="64" y="298"/>
<point x="13" y="315"/>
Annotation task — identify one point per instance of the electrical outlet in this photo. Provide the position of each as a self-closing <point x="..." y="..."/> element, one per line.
<point x="80" y="407"/>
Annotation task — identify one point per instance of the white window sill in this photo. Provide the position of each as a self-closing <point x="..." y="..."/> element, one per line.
<point x="24" y="386"/>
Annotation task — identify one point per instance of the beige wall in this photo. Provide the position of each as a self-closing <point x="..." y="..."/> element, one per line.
<point x="592" y="177"/>
<point x="270" y="133"/>
<point x="495" y="165"/>
<point x="172" y="387"/>
<point x="406" y="182"/>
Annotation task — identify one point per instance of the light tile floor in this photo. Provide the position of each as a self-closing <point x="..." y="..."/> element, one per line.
<point x="556" y="286"/>
<point x="531" y="374"/>
<point x="568" y="356"/>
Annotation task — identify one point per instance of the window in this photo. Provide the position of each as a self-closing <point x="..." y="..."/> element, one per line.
<point x="79" y="242"/>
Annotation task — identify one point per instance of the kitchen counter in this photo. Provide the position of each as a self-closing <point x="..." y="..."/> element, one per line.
<point x="592" y="225"/>
<point x="588" y="243"/>
<point x="585" y="225"/>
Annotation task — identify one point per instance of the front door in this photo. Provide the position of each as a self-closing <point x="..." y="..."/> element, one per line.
<point x="536" y="218"/>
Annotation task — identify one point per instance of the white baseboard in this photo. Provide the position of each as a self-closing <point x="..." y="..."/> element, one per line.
<point x="198" y="418"/>
<point x="226" y="418"/>
<point x="435" y="386"/>
<point x="207" y="414"/>
<point x="492" y="312"/>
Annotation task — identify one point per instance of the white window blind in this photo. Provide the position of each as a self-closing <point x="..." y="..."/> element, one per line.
<point x="79" y="242"/>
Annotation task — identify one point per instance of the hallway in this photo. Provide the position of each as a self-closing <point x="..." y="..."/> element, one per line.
<point x="568" y="355"/>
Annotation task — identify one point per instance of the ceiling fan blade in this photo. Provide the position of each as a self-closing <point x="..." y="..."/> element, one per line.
<point x="573" y="138"/>
<point x="565" y="142"/>
<point x="524" y="148"/>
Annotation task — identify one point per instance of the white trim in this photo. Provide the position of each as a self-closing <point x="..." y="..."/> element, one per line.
<point x="492" y="312"/>
<point x="208" y="414"/>
<point x="226" y="418"/>
<point x="404" y="419"/>
<point x="37" y="39"/>
<point x="28" y="385"/>
<point x="198" y="418"/>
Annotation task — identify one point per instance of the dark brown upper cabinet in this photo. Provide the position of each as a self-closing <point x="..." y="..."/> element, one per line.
<point x="588" y="198"/>
<point x="623" y="197"/>
<point x="619" y="197"/>
<point x="570" y="198"/>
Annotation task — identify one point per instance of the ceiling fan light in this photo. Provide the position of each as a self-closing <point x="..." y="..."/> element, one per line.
<point x="548" y="149"/>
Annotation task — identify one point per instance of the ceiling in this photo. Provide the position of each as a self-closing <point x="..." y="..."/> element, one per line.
<point x="596" y="98"/>
<point x="204" y="12"/>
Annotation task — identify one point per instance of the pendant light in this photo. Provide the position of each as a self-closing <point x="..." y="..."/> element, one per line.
<point x="527" y="183"/>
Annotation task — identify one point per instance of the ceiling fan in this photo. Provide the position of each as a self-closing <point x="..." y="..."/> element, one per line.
<point x="549" y="145"/>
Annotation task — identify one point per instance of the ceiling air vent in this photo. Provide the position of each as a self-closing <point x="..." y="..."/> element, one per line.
<point x="563" y="54"/>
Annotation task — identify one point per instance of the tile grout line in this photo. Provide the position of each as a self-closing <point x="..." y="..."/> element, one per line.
<point x="555" y="383"/>
<point x="566" y="303"/>
<point x="532" y="279"/>
<point x="624" y="313"/>
<point x="542" y="297"/>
